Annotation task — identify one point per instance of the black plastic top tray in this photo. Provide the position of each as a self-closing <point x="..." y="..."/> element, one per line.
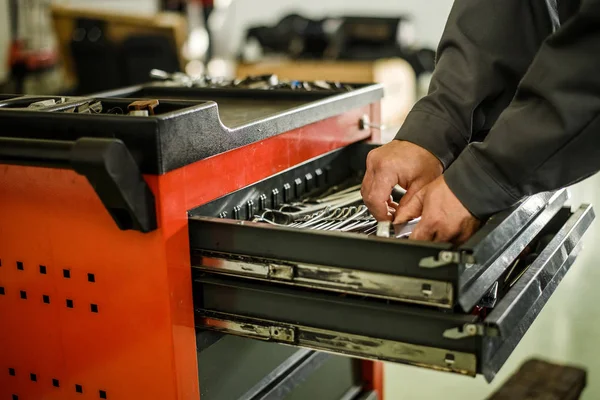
<point x="191" y="123"/>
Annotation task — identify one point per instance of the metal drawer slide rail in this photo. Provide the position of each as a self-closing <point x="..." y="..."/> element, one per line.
<point x="321" y="255"/>
<point x="343" y="343"/>
<point x="304" y="319"/>
<point x="392" y="287"/>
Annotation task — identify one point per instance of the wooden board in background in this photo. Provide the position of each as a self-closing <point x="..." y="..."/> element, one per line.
<point x="118" y="28"/>
<point x="396" y="75"/>
<point x="541" y="380"/>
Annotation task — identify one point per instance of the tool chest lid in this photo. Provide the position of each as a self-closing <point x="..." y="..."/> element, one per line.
<point x="190" y="124"/>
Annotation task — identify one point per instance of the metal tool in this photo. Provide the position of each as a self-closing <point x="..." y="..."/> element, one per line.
<point x="388" y="229"/>
<point x="337" y="209"/>
<point x="42" y="104"/>
<point x="92" y="107"/>
<point x="260" y="82"/>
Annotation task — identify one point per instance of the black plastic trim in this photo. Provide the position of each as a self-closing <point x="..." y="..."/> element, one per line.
<point x="514" y="314"/>
<point x="106" y="163"/>
<point x="194" y="129"/>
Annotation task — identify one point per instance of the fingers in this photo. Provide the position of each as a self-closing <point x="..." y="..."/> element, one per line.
<point x="429" y="230"/>
<point x="392" y="208"/>
<point x="443" y="217"/>
<point x="398" y="163"/>
<point x="408" y="195"/>
<point x="413" y="188"/>
<point x="423" y="231"/>
<point x="376" y="190"/>
<point x="441" y="236"/>
<point x="412" y="209"/>
<point x="466" y="233"/>
<point x="462" y="238"/>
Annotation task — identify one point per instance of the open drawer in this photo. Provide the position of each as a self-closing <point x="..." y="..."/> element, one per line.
<point x="459" y="310"/>
<point x="224" y="241"/>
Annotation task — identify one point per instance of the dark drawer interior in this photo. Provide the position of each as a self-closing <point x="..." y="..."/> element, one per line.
<point x="250" y="277"/>
<point x="246" y="369"/>
<point x="191" y="124"/>
<point x="447" y="340"/>
<point x="224" y="239"/>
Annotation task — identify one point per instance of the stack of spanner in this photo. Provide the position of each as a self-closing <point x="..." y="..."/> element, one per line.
<point x="341" y="211"/>
<point x="265" y="82"/>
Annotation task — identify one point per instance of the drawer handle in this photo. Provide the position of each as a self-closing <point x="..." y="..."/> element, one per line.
<point x="105" y="162"/>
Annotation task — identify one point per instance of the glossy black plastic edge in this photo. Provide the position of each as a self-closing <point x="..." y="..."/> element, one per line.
<point x="178" y="148"/>
<point x="159" y="89"/>
<point x="501" y="229"/>
<point x="140" y="134"/>
<point x="515" y="313"/>
<point x="167" y="142"/>
<point x="106" y="163"/>
<point x="503" y="244"/>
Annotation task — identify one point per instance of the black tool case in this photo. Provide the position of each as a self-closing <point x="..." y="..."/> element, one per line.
<point x="391" y="299"/>
<point x="190" y="124"/>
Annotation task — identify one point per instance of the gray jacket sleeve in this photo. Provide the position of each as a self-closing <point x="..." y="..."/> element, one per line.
<point x="485" y="50"/>
<point x="549" y="136"/>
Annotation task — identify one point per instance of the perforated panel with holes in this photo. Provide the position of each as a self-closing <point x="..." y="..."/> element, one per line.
<point x="95" y="312"/>
<point x="87" y="311"/>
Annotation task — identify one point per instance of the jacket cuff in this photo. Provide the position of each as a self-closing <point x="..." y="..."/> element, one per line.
<point x="476" y="189"/>
<point x="434" y="134"/>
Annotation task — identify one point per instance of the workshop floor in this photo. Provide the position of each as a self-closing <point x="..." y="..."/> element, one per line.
<point x="567" y="331"/>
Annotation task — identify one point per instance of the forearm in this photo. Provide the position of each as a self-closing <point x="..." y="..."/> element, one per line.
<point x="484" y="51"/>
<point x="549" y="137"/>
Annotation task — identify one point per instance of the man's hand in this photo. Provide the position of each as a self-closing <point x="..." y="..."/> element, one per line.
<point x="396" y="163"/>
<point x="443" y="217"/>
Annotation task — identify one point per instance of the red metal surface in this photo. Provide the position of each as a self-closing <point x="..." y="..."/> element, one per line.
<point x="209" y="179"/>
<point x="372" y="374"/>
<point x="33" y="60"/>
<point x="375" y="116"/>
<point x="127" y="332"/>
<point x="133" y="346"/>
